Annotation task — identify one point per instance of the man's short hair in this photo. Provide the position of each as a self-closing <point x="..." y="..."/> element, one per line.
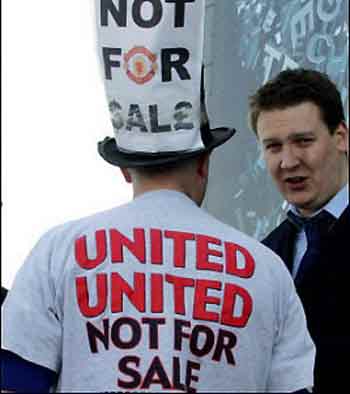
<point x="293" y="87"/>
<point x="167" y="168"/>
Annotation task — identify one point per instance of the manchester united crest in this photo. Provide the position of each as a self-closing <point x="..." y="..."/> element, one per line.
<point x="140" y="64"/>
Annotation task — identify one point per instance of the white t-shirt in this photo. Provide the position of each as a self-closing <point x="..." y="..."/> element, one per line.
<point x="158" y="295"/>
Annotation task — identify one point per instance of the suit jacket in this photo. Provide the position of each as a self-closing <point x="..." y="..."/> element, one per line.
<point x="3" y="294"/>
<point x="325" y="294"/>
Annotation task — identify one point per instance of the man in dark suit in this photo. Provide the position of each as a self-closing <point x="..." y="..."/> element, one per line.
<point x="299" y="120"/>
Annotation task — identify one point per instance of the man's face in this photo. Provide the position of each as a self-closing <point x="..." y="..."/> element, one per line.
<point x="308" y="164"/>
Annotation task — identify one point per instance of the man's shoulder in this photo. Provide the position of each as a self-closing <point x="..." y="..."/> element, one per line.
<point x="278" y="233"/>
<point x="72" y="229"/>
<point x="256" y="248"/>
<point x="344" y="219"/>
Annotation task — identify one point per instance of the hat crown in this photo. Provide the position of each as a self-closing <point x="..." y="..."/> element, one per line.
<point x="151" y="55"/>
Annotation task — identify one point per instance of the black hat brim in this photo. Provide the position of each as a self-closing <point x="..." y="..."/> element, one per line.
<point x="109" y="150"/>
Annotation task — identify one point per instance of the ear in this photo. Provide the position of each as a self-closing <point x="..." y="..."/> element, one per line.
<point x="126" y="175"/>
<point x="342" y="137"/>
<point x="203" y="165"/>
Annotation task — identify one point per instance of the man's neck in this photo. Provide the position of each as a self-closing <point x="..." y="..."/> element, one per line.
<point x="138" y="191"/>
<point x="335" y="205"/>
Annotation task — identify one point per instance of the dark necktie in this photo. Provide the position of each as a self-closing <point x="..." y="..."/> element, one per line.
<point x="314" y="228"/>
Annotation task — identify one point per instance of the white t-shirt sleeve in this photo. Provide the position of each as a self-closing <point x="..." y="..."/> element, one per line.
<point x="293" y="352"/>
<point x="30" y="320"/>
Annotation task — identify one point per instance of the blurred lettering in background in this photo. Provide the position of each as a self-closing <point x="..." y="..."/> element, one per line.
<point x="248" y="43"/>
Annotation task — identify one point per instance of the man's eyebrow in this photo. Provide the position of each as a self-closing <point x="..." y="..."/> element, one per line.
<point x="271" y="140"/>
<point x="302" y="134"/>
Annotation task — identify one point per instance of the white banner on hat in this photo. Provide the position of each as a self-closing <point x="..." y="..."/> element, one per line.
<point x="151" y="53"/>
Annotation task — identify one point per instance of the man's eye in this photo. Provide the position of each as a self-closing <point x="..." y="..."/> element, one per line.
<point x="273" y="146"/>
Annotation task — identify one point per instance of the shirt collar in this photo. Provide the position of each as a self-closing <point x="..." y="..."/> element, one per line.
<point x="335" y="206"/>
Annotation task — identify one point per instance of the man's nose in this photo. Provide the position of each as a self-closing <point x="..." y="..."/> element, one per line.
<point x="289" y="158"/>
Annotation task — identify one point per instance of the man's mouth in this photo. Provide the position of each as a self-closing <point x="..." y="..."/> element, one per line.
<point x="296" y="183"/>
<point x="295" y="180"/>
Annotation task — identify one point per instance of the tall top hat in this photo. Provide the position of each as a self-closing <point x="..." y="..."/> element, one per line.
<point x="152" y="55"/>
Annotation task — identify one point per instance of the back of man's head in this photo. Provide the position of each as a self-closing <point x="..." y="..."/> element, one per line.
<point x="292" y="87"/>
<point x="189" y="176"/>
<point x="173" y="169"/>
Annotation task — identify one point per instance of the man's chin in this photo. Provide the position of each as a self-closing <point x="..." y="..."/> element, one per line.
<point x="303" y="206"/>
<point x="299" y="201"/>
